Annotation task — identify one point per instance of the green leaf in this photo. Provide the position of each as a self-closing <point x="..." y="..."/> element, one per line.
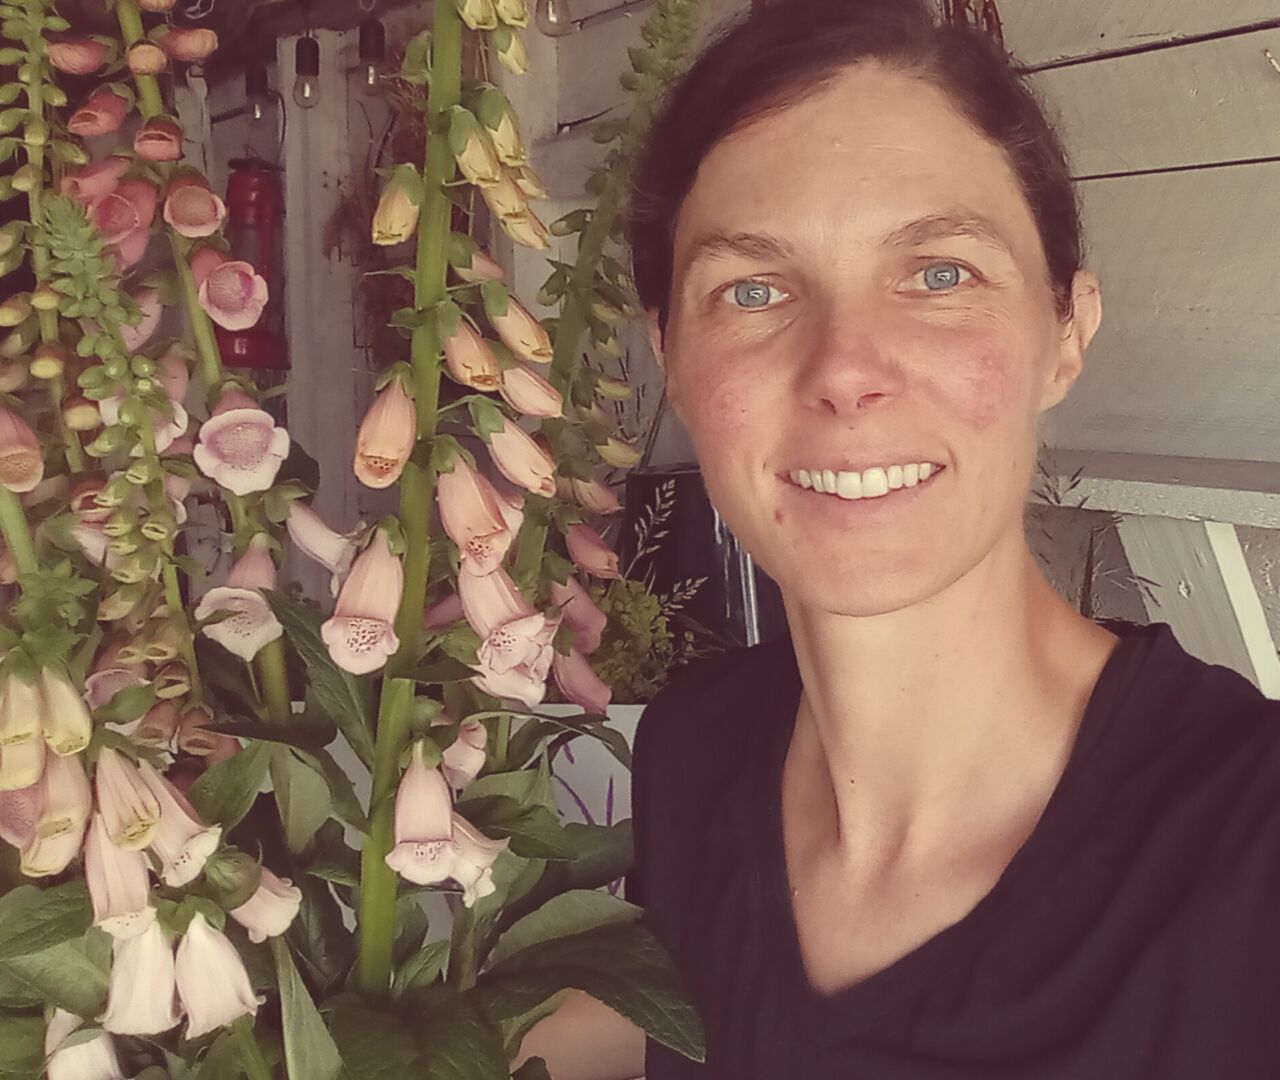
<point x="448" y="316"/>
<point x="486" y="417"/>
<point x="621" y="965"/>
<point x="601" y="853"/>
<point x="309" y="1050"/>
<point x="375" y="1043"/>
<point x="21" y="1047"/>
<point x="126" y="705"/>
<point x="224" y="792"/>
<point x="534" y="831"/>
<point x="302" y="796"/>
<point x="338" y="693"/>
<point x="533" y="1069"/>
<point x="496" y="299"/>
<point x="32" y="920"/>
<point x="460" y="1043"/>
<point x="71" y="975"/>
<point x="422" y="968"/>
<point x="342" y="795"/>
<point x="447" y="670"/>
<point x="569" y="913"/>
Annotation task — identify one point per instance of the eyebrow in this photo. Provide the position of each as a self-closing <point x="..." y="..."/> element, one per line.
<point x="714" y="245"/>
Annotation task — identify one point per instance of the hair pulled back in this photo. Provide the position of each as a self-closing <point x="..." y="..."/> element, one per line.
<point x="778" y="56"/>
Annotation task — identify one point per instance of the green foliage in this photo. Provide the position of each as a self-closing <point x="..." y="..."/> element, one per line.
<point x="639" y="649"/>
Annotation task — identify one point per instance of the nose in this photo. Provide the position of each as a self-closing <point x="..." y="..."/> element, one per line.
<point x="850" y="362"/>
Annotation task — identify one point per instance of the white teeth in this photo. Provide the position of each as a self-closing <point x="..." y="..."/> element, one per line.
<point x="869" y="484"/>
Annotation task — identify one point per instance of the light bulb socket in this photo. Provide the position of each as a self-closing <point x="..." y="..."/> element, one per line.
<point x="256" y="86"/>
<point x="373" y="42"/>
<point x="306" y="56"/>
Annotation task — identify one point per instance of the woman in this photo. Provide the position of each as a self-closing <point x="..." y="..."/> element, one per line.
<point x="949" y="827"/>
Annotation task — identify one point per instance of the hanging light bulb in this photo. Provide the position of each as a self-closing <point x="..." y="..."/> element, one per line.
<point x="554" y="18"/>
<point x="306" y="62"/>
<point x="373" y="51"/>
<point x="257" y="92"/>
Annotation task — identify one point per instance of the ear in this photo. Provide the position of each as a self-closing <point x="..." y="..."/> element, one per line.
<point x="1077" y="332"/>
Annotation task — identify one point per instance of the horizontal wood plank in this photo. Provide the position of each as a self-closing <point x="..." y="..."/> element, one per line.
<point x="1043" y="31"/>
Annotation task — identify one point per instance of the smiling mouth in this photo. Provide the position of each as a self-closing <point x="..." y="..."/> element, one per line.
<point x="873" y="483"/>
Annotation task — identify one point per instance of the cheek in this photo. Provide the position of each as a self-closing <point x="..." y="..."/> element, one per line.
<point x="716" y="406"/>
<point x="985" y="382"/>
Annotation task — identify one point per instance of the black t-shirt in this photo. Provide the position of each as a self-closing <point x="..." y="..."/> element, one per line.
<point x="1134" y="936"/>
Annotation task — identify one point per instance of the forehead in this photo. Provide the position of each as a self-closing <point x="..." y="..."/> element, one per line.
<point x="874" y="148"/>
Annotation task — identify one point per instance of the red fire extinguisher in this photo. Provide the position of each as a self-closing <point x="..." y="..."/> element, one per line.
<point x="254" y="216"/>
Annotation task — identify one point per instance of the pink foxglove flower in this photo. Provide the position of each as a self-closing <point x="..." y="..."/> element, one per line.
<point x="579" y="683"/>
<point x="524" y="335"/>
<point x="109" y="675"/>
<point x="386" y="437"/>
<point x="85" y="184"/>
<point x="464" y="757"/>
<point x="101" y="114"/>
<point x="21" y="464"/>
<point x="250" y="624"/>
<point x="64" y="719"/>
<point x="190" y="208"/>
<point x="129" y="808"/>
<point x="270" y="910"/>
<point x="137" y="335"/>
<point x="123" y="209"/>
<point x="595" y="497"/>
<point x="474" y="856"/>
<point x="527" y="229"/>
<point x="18" y="809"/>
<point x="472" y="517"/>
<point x="230" y="290"/>
<point x="145" y="58"/>
<point x="589" y="551"/>
<point x="195" y="738"/>
<point x="212" y="981"/>
<point x="529" y="393"/>
<point x="360" y="634"/>
<point x="332" y="550"/>
<point x="396" y="216"/>
<point x="45" y="856"/>
<point x="119" y="886"/>
<point x="523" y="461"/>
<point x="78" y="56"/>
<point x="470" y="360"/>
<point x="82" y="1059"/>
<point x="515" y="653"/>
<point x="585" y="621"/>
<point x="182" y="841"/>
<point x="142" y="994"/>
<point x="483" y="268"/>
<point x="189" y="45"/>
<point x="158" y="139"/>
<point x="158" y="726"/>
<point x="423" y="824"/>
<point x="240" y="447"/>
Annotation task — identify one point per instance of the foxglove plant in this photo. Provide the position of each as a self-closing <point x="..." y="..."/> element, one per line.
<point x="164" y="777"/>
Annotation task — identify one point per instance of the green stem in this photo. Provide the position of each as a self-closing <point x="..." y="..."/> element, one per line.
<point x="255" y="1065"/>
<point x="274" y="681"/>
<point x="462" y="951"/>
<point x="207" y="355"/>
<point x="377" y="880"/>
<point x="150" y="103"/>
<point x="17" y="534"/>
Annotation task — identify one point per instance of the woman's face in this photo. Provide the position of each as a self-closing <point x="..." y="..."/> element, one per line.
<point x="859" y="285"/>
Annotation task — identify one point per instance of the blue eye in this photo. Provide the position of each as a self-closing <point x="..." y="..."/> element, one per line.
<point x="752" y="295"/>
<point x="943" y="275"/>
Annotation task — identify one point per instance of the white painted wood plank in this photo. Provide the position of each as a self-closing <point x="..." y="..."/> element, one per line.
<point x="1251" y="619"/>
<point x="1191" y="595"/>
<point x="1191" y="489"/>
<point x="1186" y="360"/>
<point x="1208" y="102"/>
<point x="1037" y="31"/>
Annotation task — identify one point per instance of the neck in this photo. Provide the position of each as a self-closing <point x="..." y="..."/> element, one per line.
<point x="953" y="714"/>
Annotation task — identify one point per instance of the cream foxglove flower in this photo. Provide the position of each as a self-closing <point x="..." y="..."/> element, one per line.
<point x="524" y="335"/>
<point x="386" y="437"/>
<point x="182" y="841"/>
<point x="423" y="825"/>
<point x="250" y="624"/>
<point x="64" y="717"/>
<point x="141" y="994"/>
<point x="119" y="885"/>
<point x="129" y="808"/>
<point x="471" y="516"/>
<point x="91" y="1059"/>
<point x="523" y="461"/>
<point x="211" y="979"/>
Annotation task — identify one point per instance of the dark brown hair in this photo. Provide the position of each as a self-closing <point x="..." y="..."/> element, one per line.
<point x="778" y="56"/>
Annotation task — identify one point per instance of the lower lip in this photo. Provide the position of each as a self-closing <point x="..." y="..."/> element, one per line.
<point x="898" y="500"/>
